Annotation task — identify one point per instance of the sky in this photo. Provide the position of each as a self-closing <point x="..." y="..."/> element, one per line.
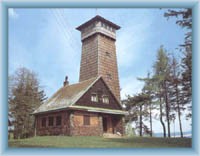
<point x="46" y="41"/>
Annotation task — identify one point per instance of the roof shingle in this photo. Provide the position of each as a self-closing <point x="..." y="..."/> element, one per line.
<point x="66" y="96"/>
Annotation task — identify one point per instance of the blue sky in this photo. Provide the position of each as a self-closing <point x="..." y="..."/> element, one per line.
<point x="46" y="41"/>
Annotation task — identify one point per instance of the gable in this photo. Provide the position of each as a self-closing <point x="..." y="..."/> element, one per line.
<point x="100" y="89"/>
<point x="65" y="96"/>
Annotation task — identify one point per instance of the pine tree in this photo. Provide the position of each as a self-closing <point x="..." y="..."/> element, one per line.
<point x="136" y="105"/>
<point x="161" y="75"/>
<point x="176" y="95"/>
<point x="184" y="20"/>
<point x="26" y="96"/>
<point x="187" y="81"/>
<point x="149" y="90"/>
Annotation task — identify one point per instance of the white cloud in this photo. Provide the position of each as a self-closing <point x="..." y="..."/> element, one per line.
<point x="130" y="86"/>
<point x="12" y="13"/>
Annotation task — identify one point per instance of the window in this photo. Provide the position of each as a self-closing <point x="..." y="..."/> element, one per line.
<point x="86" y="120"/>
<point x="108" y="54"/>
<point x="44" y="122"/>
<point x="58" y="120"/>
<point x="103" y="25"/>
<point x="109" y="76"/>
<point x="105" y="99"/>
<point x="50" y="121"/>
<point x="94" y="98"/>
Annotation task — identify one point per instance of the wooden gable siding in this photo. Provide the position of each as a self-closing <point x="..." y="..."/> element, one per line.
<point x="100" y="89"/>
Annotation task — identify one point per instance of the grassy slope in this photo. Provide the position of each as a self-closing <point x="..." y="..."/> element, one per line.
<point x="99" y="142"/>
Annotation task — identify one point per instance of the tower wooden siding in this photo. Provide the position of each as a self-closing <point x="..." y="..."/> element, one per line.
<point x="99" y="52"/>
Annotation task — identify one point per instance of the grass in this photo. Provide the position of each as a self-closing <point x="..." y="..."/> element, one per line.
<point x="99" y="142"/>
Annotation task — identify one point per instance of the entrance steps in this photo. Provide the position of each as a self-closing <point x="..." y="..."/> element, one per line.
<point x="111" y="135"/>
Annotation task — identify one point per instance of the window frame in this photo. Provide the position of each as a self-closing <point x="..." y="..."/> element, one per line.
<point x="105" y="99"/>
<point x="94" y="96"/>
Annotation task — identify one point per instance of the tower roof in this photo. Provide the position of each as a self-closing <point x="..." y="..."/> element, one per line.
<point x="96" y="18"/>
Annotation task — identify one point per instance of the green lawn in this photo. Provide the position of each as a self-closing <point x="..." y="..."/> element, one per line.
<point x="99" y="142"/>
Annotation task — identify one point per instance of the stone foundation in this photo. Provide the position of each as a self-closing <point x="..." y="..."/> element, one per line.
<point x="72" y="124"/>
<point x="62" y="129"/>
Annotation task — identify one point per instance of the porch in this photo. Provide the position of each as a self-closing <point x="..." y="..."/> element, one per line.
<point x="112" y="124"/>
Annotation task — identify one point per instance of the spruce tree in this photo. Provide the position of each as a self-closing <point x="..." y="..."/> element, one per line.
<point x="161" y="76"/>
<point x="26" y="96"/>
<point x="184" y="20"/>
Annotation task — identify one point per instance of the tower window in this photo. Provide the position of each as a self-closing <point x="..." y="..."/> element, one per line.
<point x="108" y="76"/>
<point x="94" y="97"/>
<point x="105" y="99"/>
<point x="108" y="54"/>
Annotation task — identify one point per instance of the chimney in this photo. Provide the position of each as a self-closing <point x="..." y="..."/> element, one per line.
<point x="66" y="82"/>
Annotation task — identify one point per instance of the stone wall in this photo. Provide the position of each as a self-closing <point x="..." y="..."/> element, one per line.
<point x="79" y="129"/>
<point x="62" y="129"/>
<point x="72" y="124"/>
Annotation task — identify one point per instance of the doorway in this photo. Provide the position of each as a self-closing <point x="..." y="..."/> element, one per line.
<point x="105" y="124"/>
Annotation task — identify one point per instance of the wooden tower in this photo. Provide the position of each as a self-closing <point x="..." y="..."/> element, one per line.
<point x="98" y="58"/>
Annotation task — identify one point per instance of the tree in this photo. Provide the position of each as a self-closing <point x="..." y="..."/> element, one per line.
<point x="161" y="76"/>
<point x="26" y="95"/>
<point x="129" y="130"/>
<point x="184" y="20"/>
<point x="176" y="95"/>
<point x="187" y="80"/>
<point x="135" y="106"/>
<point x="148" y="89"/>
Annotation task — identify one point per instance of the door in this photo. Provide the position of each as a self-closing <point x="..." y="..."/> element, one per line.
<point x="105" y="127"/>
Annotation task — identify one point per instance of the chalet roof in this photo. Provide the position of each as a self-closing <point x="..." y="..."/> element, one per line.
<point x="96" y="18"/>
<point x="67" y="96"/>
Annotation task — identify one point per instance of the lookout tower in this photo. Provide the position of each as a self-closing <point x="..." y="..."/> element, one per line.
<point x="98" y="57"/>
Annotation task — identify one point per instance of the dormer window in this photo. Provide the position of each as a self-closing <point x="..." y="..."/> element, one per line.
<point x="94" y="97"/>
<point x="105" y="99"/>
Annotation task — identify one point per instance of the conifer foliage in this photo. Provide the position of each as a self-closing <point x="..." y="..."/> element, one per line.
<point x="25" y="95"/>
<point x="169" y="88"/>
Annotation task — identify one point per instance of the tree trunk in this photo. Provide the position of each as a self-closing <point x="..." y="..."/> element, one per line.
<point x="179" y="112"/>
<point x="167" y="109"/>
<point x="140" y="120"/>
<point x="150" y="116"/>
<point x="161" y="119"/>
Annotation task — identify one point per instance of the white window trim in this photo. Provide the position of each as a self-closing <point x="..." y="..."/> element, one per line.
<point x="105" y="99"/>
<point x="94" y="97"/>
